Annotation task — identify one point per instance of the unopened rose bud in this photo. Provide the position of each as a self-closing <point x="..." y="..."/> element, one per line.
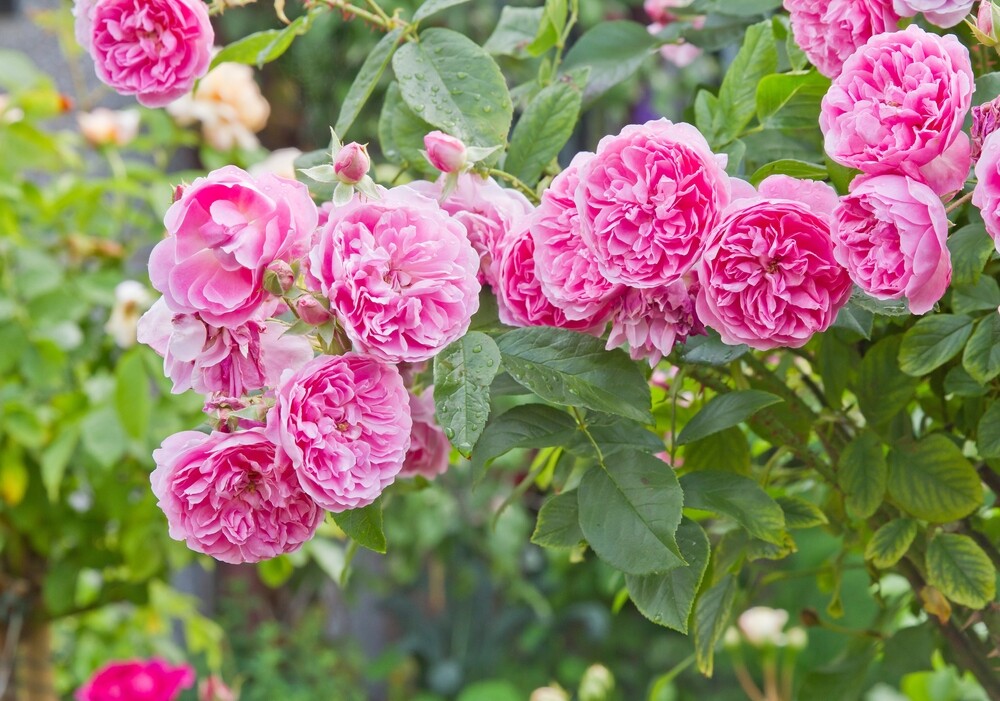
<point x="214" y="689"/>
<point x="279" y="278"/>
<point x="179" y="191"/>
<point x="549" y="693"/>
<point x="985" y="119"/>
<point x="762" y="626"/>
<point x="446" y="153"/>
<point x="984" y="18"/>
<point x="311" y="311"/>
<point x="797" y="638"/>
<point x="597" y="684"/>
<point x="352" y="163"/>
<point x="104" y="127"/>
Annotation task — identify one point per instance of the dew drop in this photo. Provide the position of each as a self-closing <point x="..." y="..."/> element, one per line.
<point x="461" y="75"/>
<point x="419" y="76"/>
<point x="487" y="109"/>
<point x="477" y="349"/>
<point x="449" y="433"/>
<point x="489" y="363"/>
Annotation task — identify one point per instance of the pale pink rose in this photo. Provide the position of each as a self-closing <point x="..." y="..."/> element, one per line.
<point x="446" y="153"/>
<point x="223" y="232"/>
<point x="829" y="32"/>
<point x="352" y="163"/>
<point x="214" y="689"/>
<point x="899" y="107"/>
<point x="399" y="272"/>
<point x="661" y="10"/>
<point x="137" y="680"/>
<point x="153" y="49"/>
<point x="680" y="53"/>
<point x="769" y="277"/>
<point x="984" y="18"/>
<point x="890" y="234"/>
<point x="566" y="268"/>
<point x="429" y="447"/>
<point x="520" y="300"/>
<point x="312" y="311"/>
<point x="650" y="321"/>
<point x="104" y="127"/>
<point x="83" y="22"/>
<point x="487" y="210"/>
<point x="233" y="496"/>
<point x="762" y="626"/>
<point x="648" y="199"/>
<point x="986" y="195"/>
<point x="943" y="13"/>
<point x="345" y="422"/>
<point x="210" y="359"/>
<point x="817" y="196"/>
<point x="985" y="120"/>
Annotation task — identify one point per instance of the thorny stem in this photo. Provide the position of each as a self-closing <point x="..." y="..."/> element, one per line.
<point x="516" y="182"/>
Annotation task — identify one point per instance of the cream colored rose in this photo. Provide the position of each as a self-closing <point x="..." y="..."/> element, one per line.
<point x="131" y="300"/>
<point x="104" y="127"/>
<point x="228" y="104"/>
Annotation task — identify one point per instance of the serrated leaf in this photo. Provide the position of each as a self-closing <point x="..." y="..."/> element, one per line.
<point x="266" y="46"/>
<point x="932" y="342"/>
<point x="543" y="130"/>
<point x="524" y="426"/>
<point x="931" y="479"/>
<point x="853" y="318"/>
<point x="724" y="411"/>
<point x="668" y="597"/>
<point x="863" y="474"/>
<point x="364" y="526"/>
<point x="800" y="513"/>
<point x="980" y="296"/>
<point x="515" y="30"/>
<point x="890" y="542"/>
<point x="710" y="350"/>
<point x="982" y="353"/>
<point x="970" y="248"/>
<point x="883" y="390"/>
<point x="613" y="51"/>
<point x="630" y="511"/>
<point x="960" y="569"/>
<point x="401" y="133"/>
<point x="791" y="100"/>
<point x="558" y="524"/>
<point x="727" y="450"/>
<point x="738" y="497"/>
<point x="462" y="375"/>
<point x="366" y="81"/>
<point x="756" y="58"/>
<point x="711" y="616"/>
<point x="791" y="167"/>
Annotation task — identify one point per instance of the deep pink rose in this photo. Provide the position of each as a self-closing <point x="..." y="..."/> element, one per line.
<point x="769" y="277"/>
<point x="153" y="49"/>
<point x="985" y="121"/>
<point x="429" y="447"/>
<point x="986" y="195"/>
<point x="943" y="13"/>
<point x="211" y="359"/>
<point x="345" y="421"/>
<point x="137" y="680"/>
<point x="566" y="268"/>
<point x="487" y="210"/>
<point x="890" y="234"/>
<point x="233" y="496"/>
<point x="223" y="232"/>
<point x="648" y="199"/>
<point x="400" y="274"/>
<point x="899" y="106"/>
<point x="829" y="32"/>
<point x="650" y="321"/>
<point x="818" y="197"/>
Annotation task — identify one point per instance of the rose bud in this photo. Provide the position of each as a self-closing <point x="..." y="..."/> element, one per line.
<point x="352" y="163"/>
<point x="446" y="153"/>
<point x="278" y="278"/>
<point x="311" y="311"/>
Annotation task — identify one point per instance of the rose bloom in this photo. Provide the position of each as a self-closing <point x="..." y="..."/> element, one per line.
<point x="223" y="232"/>
<point x="660" y="10"/>
<point x="400" y="274"/>
<point x="211" y="359"/>
<point x="762" y="626"/>
<point x="986" y="194"/>
<point x="647" y="200"/>
<point x="650" y="321"/>
<point x="985" y="120"/>
<point x="137" y="680"/>
<point x="345" y="422"/>
<point x="229" y="105"/>
<point x="769" y="277"/>
<point x="153" y="49"/>
<point x="943" y="13"/>
<point x="899" y="106"/>
<point x="487" y="210"/>
<point x="817" y="196"/>
<point x="104" y="127"/>
<point x="131" y="299"/>
<point x="829" y="32"/>
<point x="233" y="496"/>
<point x="890" y="234"/>
<point x="566" y="268"/>
<point x="429" y="447"/>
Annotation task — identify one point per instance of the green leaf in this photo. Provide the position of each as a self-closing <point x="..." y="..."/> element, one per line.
<point x="630" y="511"/>
<point x="613" y="51"/>
<point x="364" y="525"/>
<point x="264" y="47"/>
<point x="724" y="411"/>
<point x="515" y="29"/>
<point x="490" y="690"/>
<point x="462" y="375"/>
<point x="667" y="598"/>
<point x="961" y="384"/>
<point x="543" y="130"/>
<point x="883" y="390"/>
<point x="988" y="433"/>
<point x="366" y="81"/>
<point x="788" y="166"/>
<point x="932" y="342"/>
<point x="452" y="83"/>
<point x="571" y="368"/>
<point x="981" y="296"/>
<point x="931" y="480"/>
<point x="558" y="523"/>
<point x="431" y="7"/>
<point x="982" y="353"/>
<point x="329" y="556"/>
<point x="970" y="248"/>
<point x="738" y="497"/>
<point x="401" y="132"/>
<point x="708" y="117"/>
<point x="960" y="569"/>
<point x="550" y="29"/>
<point x="524" y="426"/>
<point x="276" y="571"/>
<point x="863" y="474"/>
<point x="800" y="513"/>
<point x="855" y="319"/>
<point x="757" y="58"/>
<point x="56" y="459"/>
<point x="103" y="437"/>
<point x="132" y="393"/>
<point x="791" y="100"/>
<point x="711" y="616"/>
<point x="727" y="450"/>
<point x="59" y="587"/>
<point x="710" y="350"/>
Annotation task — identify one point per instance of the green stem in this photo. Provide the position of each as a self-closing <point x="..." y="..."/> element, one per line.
<point x="959" y="202"/>
<point x="383" y="22"/>
<point x="582" y="425"/>
<point x="516" y="182"/>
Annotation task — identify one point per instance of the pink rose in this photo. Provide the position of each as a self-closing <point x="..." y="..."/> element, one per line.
<point x="986" y="194"/>
<point x="818" y="197"/>
<point x="769" y="277"/>
<point x="890" y="234"/>
<point x="829" y="32"/>
<point x="650" y="321"/>
<point x="211" y="359"/>
<point x="446" y="153"/>
<point x="153" y="49"/>
<point x="487" y="210"/>
<point x="345" y="422"/>
<point x="984" y="18"/>
<point x="647" y="200"/>
<point x="985" y="120"/>
<point x="660" y="10"/>
<point x="352" y="163"/>
<point x="399" y="272"/>
<point x="233" y="496"/>
<point x="223" y="232"/>
<point x="214" y="689"/>
<point x="943" y="13"/>
<point x="429" y="447"/>
<point x="566" y="268"/>
<point x="899" y="106"/>
<point x="137" y="680"/>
